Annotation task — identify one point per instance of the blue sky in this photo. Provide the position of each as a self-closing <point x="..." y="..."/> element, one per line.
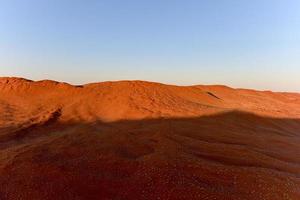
<point x="240" y="43"/>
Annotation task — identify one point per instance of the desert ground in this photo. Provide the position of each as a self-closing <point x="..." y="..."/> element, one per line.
<point x="142" y="140"/>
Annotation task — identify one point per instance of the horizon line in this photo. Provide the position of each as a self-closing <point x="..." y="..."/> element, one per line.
<point x="147" y="81"/>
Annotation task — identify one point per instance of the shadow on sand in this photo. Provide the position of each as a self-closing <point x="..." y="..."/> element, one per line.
<point x="223" y="156"/>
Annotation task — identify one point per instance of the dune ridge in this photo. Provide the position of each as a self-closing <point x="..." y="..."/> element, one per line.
<point x="146" y="140"/>
<point x="141" y="99"/>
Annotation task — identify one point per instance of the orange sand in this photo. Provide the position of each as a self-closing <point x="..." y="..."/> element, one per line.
<point x="144" y="140"/>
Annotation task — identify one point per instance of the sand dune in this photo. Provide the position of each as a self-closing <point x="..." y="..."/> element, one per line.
<point x="144" y="140"/>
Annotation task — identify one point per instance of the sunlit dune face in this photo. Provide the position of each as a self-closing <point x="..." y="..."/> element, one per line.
<point x="144" y="140"/>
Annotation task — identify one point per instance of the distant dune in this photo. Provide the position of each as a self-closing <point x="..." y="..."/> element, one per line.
<point x="145" y="140"/>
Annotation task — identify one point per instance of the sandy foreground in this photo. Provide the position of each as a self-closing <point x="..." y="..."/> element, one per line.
<point x="143" y="140"/>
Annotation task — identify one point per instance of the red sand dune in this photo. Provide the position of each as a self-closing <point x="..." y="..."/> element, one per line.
<point x="144" y="140"/>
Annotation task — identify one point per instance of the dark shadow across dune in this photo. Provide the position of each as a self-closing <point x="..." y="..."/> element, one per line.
<point x="234" y="155"/>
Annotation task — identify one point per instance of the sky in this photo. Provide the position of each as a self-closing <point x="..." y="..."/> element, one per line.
<point x="239" y="43"/>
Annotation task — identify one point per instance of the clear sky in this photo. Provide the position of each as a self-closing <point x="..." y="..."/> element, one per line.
<point x="240" y="43"/>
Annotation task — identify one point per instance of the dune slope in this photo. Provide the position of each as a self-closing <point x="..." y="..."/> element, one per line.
<point x="144" y="140"/>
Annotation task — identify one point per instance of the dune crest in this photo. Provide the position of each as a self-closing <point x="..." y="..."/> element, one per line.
<point x="139" y="99"/>
<point x="145" y="140"/>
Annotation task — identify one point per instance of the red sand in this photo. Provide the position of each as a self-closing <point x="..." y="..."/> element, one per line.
<point x="143" y="140"/>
